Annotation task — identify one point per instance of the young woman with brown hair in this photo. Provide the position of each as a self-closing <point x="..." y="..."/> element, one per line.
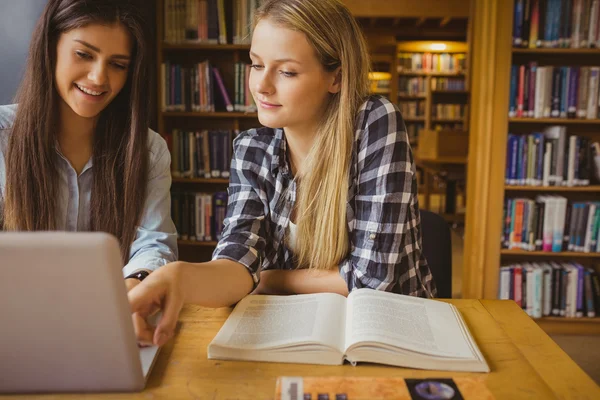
<point x="76" y="153"/>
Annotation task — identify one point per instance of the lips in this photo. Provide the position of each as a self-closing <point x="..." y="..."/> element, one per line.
<point x="90" y="92"/>
<point x="265" y="104"/>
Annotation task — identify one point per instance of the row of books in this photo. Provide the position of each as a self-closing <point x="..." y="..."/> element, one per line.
<point x="552" y="289"/>
<point x="412" y="86"/>
<point x="412" y="109"/>
<point x="200" y="154"/>
<point x="549" y="158"/>
<point x="199" y="216"/>
<point x="445" y="126"/>
<point x="448" y="111"/>
<point x="209" y="21"/>
<point x="552" y="224"/>
<point x="556" y="23"/>
<point x="431" y="62"/>
<point x="449" y="84"/>
<point x="554" y="92"/>
<point x="200" y="87"/>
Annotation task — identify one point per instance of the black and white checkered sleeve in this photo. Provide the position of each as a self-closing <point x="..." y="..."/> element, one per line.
<point x="243" y="237"/>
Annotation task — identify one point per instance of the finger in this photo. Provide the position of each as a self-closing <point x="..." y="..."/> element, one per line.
<point x="166" y="326"/>
<point x="144" y="332"/>
<point x="143" y="298"/>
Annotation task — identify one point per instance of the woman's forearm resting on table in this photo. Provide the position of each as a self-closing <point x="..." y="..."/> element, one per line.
<point x="301" y="281"/>
<point x="217" y="283"/>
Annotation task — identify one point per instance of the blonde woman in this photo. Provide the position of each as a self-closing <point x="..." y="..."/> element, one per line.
<point x="324" y="197"/>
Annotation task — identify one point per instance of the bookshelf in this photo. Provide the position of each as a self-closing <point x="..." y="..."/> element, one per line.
<point x="190" y="52"/>
<point x="433" y="94"/>
<point x="491" y="94"/>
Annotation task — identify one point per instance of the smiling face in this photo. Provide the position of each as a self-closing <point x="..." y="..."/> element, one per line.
<point x="289" y="84"/>
<point x="91" y="67"/>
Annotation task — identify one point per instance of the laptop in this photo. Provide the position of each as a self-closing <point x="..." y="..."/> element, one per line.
<point x="65" y="321"/>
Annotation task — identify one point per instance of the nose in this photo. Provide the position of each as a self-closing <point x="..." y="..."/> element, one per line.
<point x="263" y="83"/>
<point x="98" y="74"/>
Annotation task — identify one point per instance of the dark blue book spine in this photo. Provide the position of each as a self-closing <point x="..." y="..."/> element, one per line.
<point x="539" y="168"/>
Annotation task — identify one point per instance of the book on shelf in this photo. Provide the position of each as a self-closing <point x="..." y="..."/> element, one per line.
<point x="431" y="62"/>
<point x="551" y="158"/>
<point x="551" y="224"/>
<point x="554" y="91"/>
<point x="200" y="88"/>
<point x="209" y="21"/>
<point x="199" y="216"/>
<point x="200" y="154"/>
<point x="412" y="108"/>
<point x="556" y="24"/>
<point x="448" y="84"/>
<point x="368" y="326"/>
<point x="449" y="111"/>
<point x="412" y="86"/>
<point x="545" y="289"/>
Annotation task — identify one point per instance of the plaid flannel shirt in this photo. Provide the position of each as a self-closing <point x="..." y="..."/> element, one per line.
<point x="382" y="212"/>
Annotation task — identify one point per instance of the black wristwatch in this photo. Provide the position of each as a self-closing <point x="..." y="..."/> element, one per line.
<point x="140" y="275"/>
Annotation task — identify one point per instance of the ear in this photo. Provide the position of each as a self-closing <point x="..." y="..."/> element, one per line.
<point x="336" y="85"/>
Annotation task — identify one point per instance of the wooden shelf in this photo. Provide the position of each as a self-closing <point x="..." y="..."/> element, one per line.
<point x="441" y="160"/>
<point x="198" y="114"/>
<point x="591" y="188"/>
<point x="553" y="121"/>
<point x="414" y="119"/>
<point x="518" y="50"/>
<point x="382" y="58"/>
<point x="450" y="91"/>
<point x="196" y="243"/>
<point x="435" y="74"/>
<point x="411" y="96"/>
<point x="565" y="254"/>
<point x="201" y="180"/>
<point x="447" y="120"/>
<point x="381" y="91"/>
<point x="204" y="46"/>
<point x="569" y="326"/>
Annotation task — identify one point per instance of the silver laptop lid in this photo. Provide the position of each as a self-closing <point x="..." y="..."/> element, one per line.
<point x="65" y="320"/>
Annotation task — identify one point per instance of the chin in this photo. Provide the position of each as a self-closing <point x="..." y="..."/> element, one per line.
<point x="269" y="122"/>
<point x="86" y="113"/>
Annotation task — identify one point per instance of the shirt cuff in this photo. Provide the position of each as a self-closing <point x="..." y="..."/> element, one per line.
<point x="143" y="262"/>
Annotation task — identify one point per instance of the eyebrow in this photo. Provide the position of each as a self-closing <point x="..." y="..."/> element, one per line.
<point x="86" y="44"/>
<point x="281" y="60"/>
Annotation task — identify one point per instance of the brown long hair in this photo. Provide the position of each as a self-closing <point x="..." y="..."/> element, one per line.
<point x="120" y="151"/>
<point x="338" y="42"/>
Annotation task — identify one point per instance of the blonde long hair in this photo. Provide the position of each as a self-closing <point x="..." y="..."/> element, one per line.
<point x="322" y="240"/>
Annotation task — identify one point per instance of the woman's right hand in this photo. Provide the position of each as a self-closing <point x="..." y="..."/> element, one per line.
<point x="160" y="291"/>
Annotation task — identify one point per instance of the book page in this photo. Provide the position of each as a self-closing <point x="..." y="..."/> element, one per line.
<point x="261" y="321"/>
<point x="421" y="325"/>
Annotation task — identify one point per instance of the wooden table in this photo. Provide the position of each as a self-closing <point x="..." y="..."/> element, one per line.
<point x="525" y="362"/>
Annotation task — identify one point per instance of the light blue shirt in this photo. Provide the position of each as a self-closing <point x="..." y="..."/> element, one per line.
<point x="155" y="243"/>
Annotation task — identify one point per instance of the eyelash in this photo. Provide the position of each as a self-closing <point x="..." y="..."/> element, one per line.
<point x="284" y="73"/>
<point x="86" y="56"/>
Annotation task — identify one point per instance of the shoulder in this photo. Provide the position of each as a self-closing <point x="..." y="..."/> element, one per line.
<point x="157" y="145"/>
<point x="256" y="145"/>
<point x="378" y="108"/>
<point x="377" y="118"/>
<point x="257" y="139"/>
<point x="7" y="116"/>
<point x="159" y="157"/>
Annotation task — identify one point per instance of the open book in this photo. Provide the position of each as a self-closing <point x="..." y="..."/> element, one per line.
<point x="368" y="326"/>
